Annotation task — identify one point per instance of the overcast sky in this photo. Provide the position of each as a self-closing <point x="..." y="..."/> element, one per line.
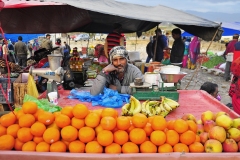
<point x="223" y="6"/>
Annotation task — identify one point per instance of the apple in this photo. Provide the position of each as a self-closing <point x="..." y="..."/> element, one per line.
<point x="236" y="123"/>
<point x="217" y="133"/>
<point x="208" y="125"/>
<point x="199" y="121"/>
<point x="189" y="117"/>
<point x="208" y="115"/>
<point x="224" y="121"/>
<point x="199" y="129"/>
<point x="229" y="145"/>
<point x="220" y="113"/>
<point x="203" y="137"/>
<point x="213" y="146"/>
<point x="238" y="146"/>
<point x="234" y="134"/>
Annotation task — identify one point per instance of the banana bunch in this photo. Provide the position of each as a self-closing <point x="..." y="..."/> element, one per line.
<point x="132" y="108"/>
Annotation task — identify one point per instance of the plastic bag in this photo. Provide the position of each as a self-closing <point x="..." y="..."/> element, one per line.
<point x="109" y="98"/>
<point x="31" y="87"/>
<point x="166" y="61"/>
<point x="42" y="103"/>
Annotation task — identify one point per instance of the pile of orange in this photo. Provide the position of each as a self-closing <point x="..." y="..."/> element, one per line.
<point x="79" y="130"/>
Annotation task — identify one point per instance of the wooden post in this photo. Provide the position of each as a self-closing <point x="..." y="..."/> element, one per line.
<point x="136" y="41"/>
<point x="155" y="47"/>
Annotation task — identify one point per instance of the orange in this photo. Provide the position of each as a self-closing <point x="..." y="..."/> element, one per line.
<point x="66" y="143"/>
<point x="38" y="112"/>
<point x="150" y="119"/>
<point x="172" y="137"/>
<point x="86" y="134"/>
<point x="13" y="129"/>
<point x="18" y="145"/>
<point x="158" y="138"/>
<point x="148" y="147"/>
<point x="56" y="113"/>
<point x="29" y="107"/>
<point x="180" y="147"/>
<point x="180" y="126"/>
<point x="120" y="137"/>
<point x="130" y="128"/>
<point x="43" y="147"/>
<point x="8" y="119"/>
<point x="158" y="123"/>
<point x="188" y="137"/>
<point x="3" y="130"/>
<point x="98" y="129"/>
<point x="92" y="120"/>
<point x="192" y="125"/>
<point x="46" y="118"/>
<point x="37" y="129"/>
<point x="139" y="120"/>
<point x="197" y="138"/>
<point x="170" y="124"/>
<point x="109" y="112"/>
<point x="77" y="123"/>
<point x="130" y="147"/>
<point x="76" y="147"/>
<point x="58" y="146"/>
<point x="53" y="125"/>
<point x="29" y="146"/>
<point x="108" y="123"/>
<point x="137" y="135"/>
<point x="67" y="110"/>
<point x="51" y="135"/>
<point x="69" y="133"/>
<point x="24" y="134"/>
<point x="19" y="113"/>
<point x="105" y="138"/>
<point x="123" y="123"/>
<point x="98" y="111"/>
<point x="62" y="121"/>
<point x="80" y="111"/>
<point x="93" y="147"/>
<point x="26" y="120"/>
<point x="165" y="148"/>
<point x="148" y="129"/>
<point x="196" y="147"/>
<point x="113" y="148"/>
<point x="38" y="139"/>
<point x="7" y="142"/>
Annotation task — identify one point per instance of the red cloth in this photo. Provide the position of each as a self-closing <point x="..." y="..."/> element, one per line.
<point x="230" y="47"/>
<point x="236" y="104"/>
<point x="236" y="55"/>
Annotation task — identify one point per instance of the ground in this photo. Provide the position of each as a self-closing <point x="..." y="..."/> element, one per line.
<point x="202" y="76"/>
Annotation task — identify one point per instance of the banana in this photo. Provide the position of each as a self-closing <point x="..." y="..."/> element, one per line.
<point x="153" y="102"/>
<point x="167" y="107"/>
<point x="144" y="107"/>
<point x="158" y="109"/>
<point x="138" y="106"/>
<point x="125" y="109"/>
<point x="132" y="104"/>
<point x="148" y="111"/>
<point x="173" y="104"/>
<point x="162" y="108"/>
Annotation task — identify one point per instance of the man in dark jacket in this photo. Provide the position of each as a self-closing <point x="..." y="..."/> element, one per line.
<point x="178" y="47"/>
<point x="20" y="50"/>
<point x="149" y="49"/>
<point x="161" y="45"/>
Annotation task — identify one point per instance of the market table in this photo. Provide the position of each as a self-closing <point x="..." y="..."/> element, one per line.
<point x="191" y="101"/>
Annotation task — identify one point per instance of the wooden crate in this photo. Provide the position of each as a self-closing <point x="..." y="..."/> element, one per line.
<point x="20" y="89"/>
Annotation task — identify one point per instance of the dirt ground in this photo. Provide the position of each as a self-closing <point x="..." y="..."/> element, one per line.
<point x="202" y="76"/>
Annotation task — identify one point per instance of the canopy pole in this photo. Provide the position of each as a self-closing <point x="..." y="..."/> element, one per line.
<point x="136" y="41"/>
<point x="199" y="66"/>
<point x="155" y="47"/>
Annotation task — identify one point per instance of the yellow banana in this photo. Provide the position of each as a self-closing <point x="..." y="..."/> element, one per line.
<point x="125" y="109"/>
<point x="167" y="107"/>
<point x="144" y="106"/>
<point x="132" y="104"/>
<point x="173" y="104"/>
<point x="138" y="106"/>
<point x="162" y="108"/>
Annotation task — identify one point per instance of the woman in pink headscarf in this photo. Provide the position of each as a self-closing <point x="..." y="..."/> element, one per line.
<point x="194" y="51"/>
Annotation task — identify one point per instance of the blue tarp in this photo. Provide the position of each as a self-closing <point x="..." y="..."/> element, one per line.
<point x="26" y="37"/>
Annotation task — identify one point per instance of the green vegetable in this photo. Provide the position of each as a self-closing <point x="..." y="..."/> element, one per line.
<point x="214" y="61"/>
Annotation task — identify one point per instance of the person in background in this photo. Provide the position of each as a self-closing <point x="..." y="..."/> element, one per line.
<point x="212" y="89"/>
<point x="178" y="47"/>
<point x="186" y="51"/>
<point x="30" y="48"/>
<point x="118" y="74"/>
<point x="230" y="49"/>
<point x="99" y="53"/>
<point x="113" y="39"/>
<point x="66" y="49"/>
<point x="161" y="45"/>
<point x="47" y="43"/>
<point x="224" y="55"/>
<point x="4" y="49"/>
<point x="194" y="51"/>
<point x="20" y="50"/>
<point x="236" y="51"/>
<point x="149" y="49"/>
<point x="59" y="50"/>
<point x="35" y="45"/>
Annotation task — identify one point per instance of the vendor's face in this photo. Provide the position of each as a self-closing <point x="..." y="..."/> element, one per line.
<point x="215" y="94"/>
<point x="120" y="63"/>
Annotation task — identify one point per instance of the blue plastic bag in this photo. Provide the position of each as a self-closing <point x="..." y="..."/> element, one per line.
<point x="109" y="98"/>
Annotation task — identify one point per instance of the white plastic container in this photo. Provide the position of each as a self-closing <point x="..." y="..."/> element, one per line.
<point x="53" y="98"/>
<point x="170" y="69"/>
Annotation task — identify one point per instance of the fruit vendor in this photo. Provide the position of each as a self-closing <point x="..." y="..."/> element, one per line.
<point x="118" y="74"/>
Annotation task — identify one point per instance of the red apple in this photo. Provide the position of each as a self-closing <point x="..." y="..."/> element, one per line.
<point x="208" y="125"/>
<point x="229" y="145"/>
<point x="208" y="115"/>
<point x="189" y="117"/>
<point x="203" y="137"/>
<point x="199" y="129"/>
<point x="217" y="133"/>
<point x="213" y="146"/>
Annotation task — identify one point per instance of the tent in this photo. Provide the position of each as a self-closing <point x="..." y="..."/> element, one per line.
<point x="26" y="37"/>
<point x="96" y="16"/>
<point x="229" y="29"/>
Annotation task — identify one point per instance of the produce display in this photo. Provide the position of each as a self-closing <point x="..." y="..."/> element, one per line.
<point x="149" y="108"/>
<point x="76" y="129"/>
<point x="214" y="61"/>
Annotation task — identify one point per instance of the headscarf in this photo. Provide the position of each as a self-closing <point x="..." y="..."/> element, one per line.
<point x="194" y="49"/>
<point x="118" y="51"/>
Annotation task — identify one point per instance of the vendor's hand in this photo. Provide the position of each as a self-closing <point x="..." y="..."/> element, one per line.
<point x="109" y="68"/>
<point x="113" y="87"/>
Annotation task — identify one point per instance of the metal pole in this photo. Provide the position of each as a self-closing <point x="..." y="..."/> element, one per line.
<point x="155" y="47"/>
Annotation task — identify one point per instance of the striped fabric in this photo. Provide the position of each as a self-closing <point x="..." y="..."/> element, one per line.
<point x="113" y="40"/>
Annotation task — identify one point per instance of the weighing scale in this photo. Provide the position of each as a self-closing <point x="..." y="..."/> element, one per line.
<point x="147" y="91"/>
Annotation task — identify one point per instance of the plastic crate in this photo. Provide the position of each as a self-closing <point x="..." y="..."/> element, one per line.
<point x="4" y="82"/>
